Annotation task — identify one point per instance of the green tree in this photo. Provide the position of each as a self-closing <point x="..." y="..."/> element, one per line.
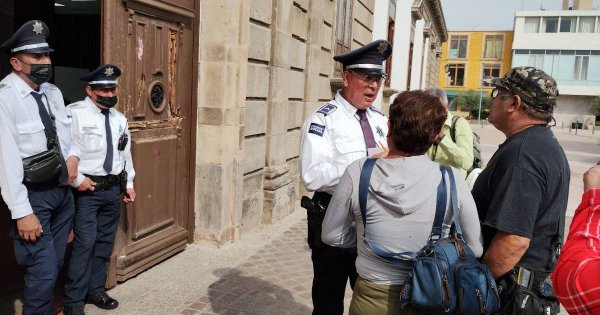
<point x="469" y="102"/>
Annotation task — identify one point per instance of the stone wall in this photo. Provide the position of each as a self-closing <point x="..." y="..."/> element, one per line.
<point x="290" y="66"/>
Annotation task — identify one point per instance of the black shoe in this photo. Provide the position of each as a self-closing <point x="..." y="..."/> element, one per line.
<point x="103" y="301"/>
<point x="73" y="310"/>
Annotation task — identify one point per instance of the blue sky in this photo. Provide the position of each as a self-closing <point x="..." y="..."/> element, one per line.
<point x="484" y="15"/>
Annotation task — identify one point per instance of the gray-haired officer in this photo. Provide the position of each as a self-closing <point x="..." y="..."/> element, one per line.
<point x="105" y="172"/>
<point x="338" y="133"/>
<point x="34" y="139"/>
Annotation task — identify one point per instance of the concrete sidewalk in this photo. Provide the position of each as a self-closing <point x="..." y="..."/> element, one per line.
<point x="268" y="271"/>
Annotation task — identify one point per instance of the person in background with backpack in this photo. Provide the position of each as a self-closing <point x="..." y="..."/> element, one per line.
<point x="576" y="278"/>
<point x="455" y="146"/>
<point x="522" y="193"/>
<point x="402" y="204"/>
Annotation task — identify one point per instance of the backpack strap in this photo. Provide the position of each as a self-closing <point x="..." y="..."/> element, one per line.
<point x="453" y="128"/>
<point x="454" y="201"/>
<point x="405" y="259"/>
<point x="440" y="206"/>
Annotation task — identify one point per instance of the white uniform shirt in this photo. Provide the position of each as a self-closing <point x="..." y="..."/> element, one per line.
<point x="89" y="136"/>
<point x="332" y="138"/>
<point x="22" y="135"/>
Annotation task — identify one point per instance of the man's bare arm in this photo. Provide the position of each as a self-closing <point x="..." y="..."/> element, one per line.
<point x="505" y="252"/>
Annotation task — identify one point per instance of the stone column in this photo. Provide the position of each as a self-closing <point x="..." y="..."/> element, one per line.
<point x="402" y="39"/>
<point x="425" y="70"/>
<point x="380" y="29"/>
<point x="417" y="57"/>
<point x="221" y="93"/>
<point x="286" y="91"/>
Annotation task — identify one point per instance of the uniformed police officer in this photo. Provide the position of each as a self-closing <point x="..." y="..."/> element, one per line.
<point x="105" y="171"/>
<point x="345" y="129"/>
<point x="34" y="139"/>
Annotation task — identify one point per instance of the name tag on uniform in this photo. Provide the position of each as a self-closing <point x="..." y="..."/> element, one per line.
<point x="316" y="129"/>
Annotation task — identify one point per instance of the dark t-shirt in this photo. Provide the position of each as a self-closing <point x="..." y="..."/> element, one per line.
<point x="523" y="191"/>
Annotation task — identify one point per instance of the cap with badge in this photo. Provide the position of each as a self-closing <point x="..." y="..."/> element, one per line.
<point x="29" y="38"/>
<point x="368" y="59"/>
<point x="536" y="88"/>
<point x="103" y="77"/>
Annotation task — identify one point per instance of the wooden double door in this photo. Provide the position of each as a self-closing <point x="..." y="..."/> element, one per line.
<point x="154" y="43"/>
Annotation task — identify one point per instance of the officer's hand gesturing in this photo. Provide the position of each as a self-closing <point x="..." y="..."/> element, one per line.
<point x="29" y="227"/>
<point x="87" y="184"/>
<point x="129" y="195"/>
<point x="72" y="165"/>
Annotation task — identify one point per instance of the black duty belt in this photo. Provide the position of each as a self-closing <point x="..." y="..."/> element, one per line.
<point x="104" y="182"/>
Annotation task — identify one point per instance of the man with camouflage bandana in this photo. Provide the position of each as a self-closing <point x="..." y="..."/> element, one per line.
<point x="521" y="195"/>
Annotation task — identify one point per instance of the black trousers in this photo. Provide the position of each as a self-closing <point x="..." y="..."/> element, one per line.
<point x="43" y="259"/>
<point x="332" y="267"/>
<point x="95" y="224"/>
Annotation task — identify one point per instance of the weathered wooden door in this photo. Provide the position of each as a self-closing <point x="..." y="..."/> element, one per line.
<point x="153" y="42"/>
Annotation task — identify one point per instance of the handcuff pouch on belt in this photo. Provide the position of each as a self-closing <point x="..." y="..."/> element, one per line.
<point x="44" y="166"/>
<point x="315" y="210"/>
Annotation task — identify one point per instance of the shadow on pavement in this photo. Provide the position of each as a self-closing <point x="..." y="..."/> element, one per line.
<point x="235" y="293"/>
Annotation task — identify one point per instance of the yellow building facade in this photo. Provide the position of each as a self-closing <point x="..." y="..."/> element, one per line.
<point x="470" y="58"/>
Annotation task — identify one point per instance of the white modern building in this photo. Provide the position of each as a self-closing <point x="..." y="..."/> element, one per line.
<point x="566" y="45"/>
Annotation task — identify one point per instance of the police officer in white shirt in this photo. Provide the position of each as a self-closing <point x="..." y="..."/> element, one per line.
<point x="34" y="177"/>
<point x="345" y="129"/>
<point x="105" y="172"/>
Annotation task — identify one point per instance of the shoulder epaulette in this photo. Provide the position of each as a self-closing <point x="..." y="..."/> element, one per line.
<point x="52" y="86"/>
<point x="327" y="109"/>
<point x="76" y="105"/>
<point x="377" y="110"/>
<point x="2" y="86"/>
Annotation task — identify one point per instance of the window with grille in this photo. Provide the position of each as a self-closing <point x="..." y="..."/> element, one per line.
<point x="343" y="32"/>
<point x="456" y="74"/>
<point x="458" y="46"/>
<point x="490" y="71"/>
<point x="493" y="46"/>
<point x="390" y="38"/>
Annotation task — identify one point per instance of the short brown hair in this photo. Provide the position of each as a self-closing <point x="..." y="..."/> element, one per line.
<point x="416" y="118"/>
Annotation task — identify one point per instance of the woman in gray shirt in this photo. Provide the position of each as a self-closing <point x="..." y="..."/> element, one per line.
<point x="401" y="204"/>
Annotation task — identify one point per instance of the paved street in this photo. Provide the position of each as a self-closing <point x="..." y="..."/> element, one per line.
<point x="269" y="271"/>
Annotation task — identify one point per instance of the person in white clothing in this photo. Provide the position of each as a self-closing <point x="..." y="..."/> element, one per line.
<point x="105" y="172"/>
<point x="34" y="176"/>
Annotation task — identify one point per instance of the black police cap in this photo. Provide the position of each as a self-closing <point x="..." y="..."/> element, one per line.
<point x="29" y="38"/>
<point x="102" y="77"/>
<point x="368" y="59"/>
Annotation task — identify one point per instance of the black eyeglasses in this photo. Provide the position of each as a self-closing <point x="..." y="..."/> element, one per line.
<point x="495" y="92"/>
<point x="370" y="78"/>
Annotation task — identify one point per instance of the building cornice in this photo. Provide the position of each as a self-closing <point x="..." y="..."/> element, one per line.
<point x="435" y="7"/>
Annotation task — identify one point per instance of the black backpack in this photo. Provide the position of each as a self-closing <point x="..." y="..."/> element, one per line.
<point x="477" y="159"/>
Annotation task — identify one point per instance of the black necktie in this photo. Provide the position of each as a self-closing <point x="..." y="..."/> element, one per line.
<point x="46" y="120"/>
<point x="51" y="138"/>
<point x="108" y="160"/>
<point x="366" y="129"/>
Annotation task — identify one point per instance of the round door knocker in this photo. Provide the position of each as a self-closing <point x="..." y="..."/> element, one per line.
<point x="157" y="96"/>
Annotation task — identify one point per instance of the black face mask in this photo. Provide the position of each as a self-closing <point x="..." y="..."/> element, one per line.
<point x="39" y="73"/>
<point x="107" y="101"/>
